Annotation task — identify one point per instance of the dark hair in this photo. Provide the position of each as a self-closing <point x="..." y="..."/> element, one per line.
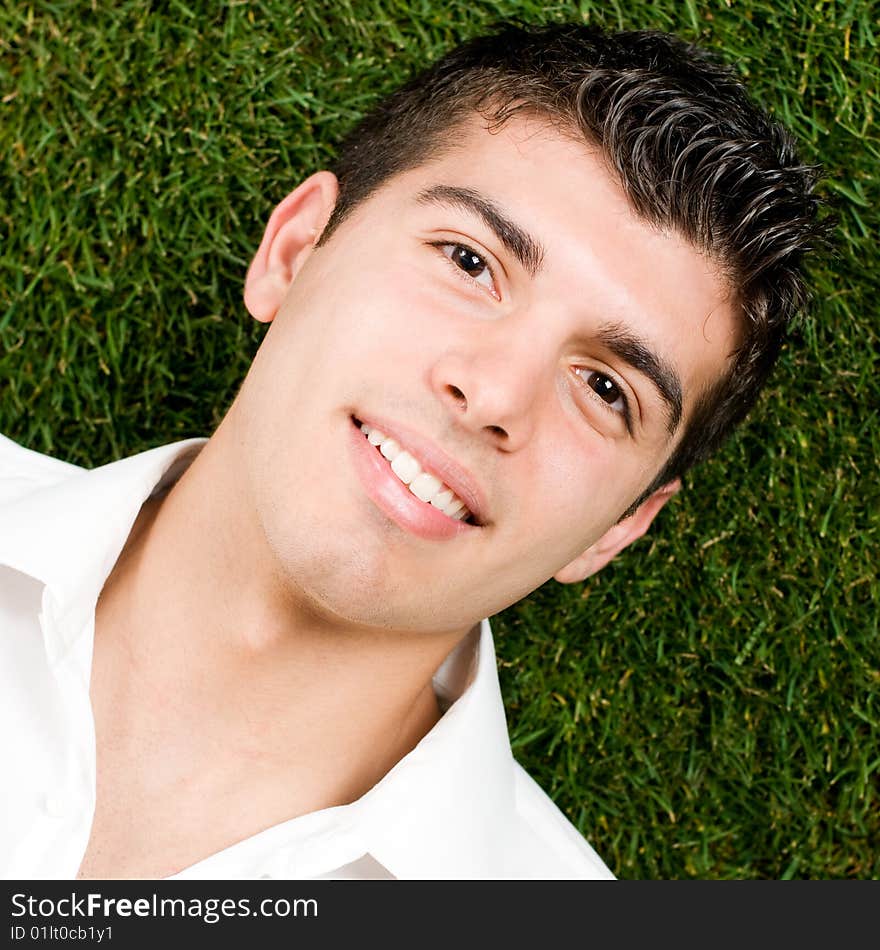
<point x="691" y="150"/>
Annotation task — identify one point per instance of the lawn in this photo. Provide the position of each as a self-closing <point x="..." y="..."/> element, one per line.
<point x="707" y="706"/>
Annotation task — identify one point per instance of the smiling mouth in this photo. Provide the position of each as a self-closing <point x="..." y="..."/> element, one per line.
<point x="424" y="485"/>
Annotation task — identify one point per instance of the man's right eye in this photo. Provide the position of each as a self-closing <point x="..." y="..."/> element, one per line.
<point x="468" y="262"/>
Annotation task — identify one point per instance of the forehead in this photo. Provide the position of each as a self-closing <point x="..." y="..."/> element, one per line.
<point x="601" y="262"/>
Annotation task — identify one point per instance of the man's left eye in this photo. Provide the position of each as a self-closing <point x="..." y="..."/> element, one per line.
<point x="476" y="267"/>
<point x="606" y="389"/>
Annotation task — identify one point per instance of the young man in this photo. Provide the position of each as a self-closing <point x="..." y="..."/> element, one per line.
<point x="547" y="277"/>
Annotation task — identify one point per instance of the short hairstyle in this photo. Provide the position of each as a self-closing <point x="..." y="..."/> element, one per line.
<point x="691" y="150"/>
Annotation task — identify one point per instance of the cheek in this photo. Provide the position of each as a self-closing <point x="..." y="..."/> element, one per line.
<point x="577" y="485"/>
<point x="364" y="302"/>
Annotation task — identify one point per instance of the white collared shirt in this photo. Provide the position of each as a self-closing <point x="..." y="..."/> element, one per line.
<point x="457" y="806"/>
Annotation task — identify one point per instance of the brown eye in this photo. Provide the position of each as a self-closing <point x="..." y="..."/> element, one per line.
<point x="606" y="389"/>
<point x="470" y="264"/>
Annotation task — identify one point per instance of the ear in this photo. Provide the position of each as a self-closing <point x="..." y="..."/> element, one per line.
<point x="289" y="238"/>
<point x="617" y="537"/>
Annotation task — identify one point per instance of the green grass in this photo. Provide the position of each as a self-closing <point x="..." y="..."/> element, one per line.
<point x="705" y="707"/>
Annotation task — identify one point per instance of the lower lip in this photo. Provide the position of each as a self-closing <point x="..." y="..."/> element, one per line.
<point x="394" y="499"/>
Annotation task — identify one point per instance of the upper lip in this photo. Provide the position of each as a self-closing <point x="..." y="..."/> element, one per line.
<point x="434" y="460"/>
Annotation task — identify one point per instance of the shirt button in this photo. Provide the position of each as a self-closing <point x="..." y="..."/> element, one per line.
<point x="55" y="805"/>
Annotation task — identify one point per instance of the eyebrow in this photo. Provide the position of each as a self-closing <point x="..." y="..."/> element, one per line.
<point x="638" y="354"/>
<point x="526" y="249"/>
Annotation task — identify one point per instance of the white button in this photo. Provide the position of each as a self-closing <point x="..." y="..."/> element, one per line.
<point x="55" y="805"/>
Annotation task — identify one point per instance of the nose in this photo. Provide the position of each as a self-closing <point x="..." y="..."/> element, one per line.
<point x="492" y="388"/>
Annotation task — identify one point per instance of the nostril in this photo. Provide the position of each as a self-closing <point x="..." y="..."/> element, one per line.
<point x="457" y="394"/>
<point x="497" y="430"/>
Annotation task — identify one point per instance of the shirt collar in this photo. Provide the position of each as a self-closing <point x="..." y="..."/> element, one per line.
<point x="44" y="530"/>
<point x="447" y="808"/>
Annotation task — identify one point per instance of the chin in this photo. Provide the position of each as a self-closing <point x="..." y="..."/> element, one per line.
<point x="333" y="578"/>
<point x="360" y="591"/>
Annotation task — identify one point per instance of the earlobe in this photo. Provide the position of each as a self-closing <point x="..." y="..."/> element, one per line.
<point x="289" y="238"/>
<point x="617" y="537"/>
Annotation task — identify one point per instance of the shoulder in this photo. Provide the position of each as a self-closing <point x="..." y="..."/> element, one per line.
<point x="23" y="470"/>
<point x="550" y="845"/>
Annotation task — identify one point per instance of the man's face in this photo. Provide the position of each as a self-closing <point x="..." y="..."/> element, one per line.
<point x="503" y="315"/>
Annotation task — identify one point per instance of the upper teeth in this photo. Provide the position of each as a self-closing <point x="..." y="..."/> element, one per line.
<point x="422" y="484"/>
